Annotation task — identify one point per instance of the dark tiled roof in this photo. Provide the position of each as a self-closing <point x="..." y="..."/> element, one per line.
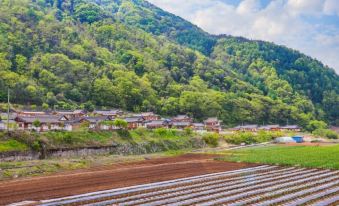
<point x="212" y="119"/>
<point x="41" y="118"/>
<point x="96" y="119"/>
<point x="133" y="119"/>
<point x="181" y="123"/>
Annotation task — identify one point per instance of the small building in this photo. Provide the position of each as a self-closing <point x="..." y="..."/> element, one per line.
<point x="4" y="123"/>
<point x="135" y="122"/>
<point x="199" y="127"/>
<point x="273" y="127"/>
<point x="182" y="118"/>
<point x="246" y="128"/>
<point x="181" y="125"/>
<point x="112" y="114"/>
<point x="155" y="124"/>
<point x="298" y="139"/>
<point x="294" y="128"/>
<point x="95" y="123"/>
<point x="70" y="114"/>
<point x="150" y="116"/>
<point x="213" y="124"/>
<point x="47" y="122"/>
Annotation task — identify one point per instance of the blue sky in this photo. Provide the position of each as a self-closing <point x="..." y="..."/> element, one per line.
<point x="310" y="26"/>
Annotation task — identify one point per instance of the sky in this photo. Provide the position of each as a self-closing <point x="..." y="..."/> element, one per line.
<point x="310" y="26"/>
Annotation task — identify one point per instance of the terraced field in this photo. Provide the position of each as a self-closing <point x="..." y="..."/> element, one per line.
<point x="260" y="185"/>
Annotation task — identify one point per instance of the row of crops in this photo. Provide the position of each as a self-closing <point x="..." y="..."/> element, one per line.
<point x="261" y="185"/>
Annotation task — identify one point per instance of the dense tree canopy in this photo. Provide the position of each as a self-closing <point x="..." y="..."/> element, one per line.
<point x="129" y="54"/>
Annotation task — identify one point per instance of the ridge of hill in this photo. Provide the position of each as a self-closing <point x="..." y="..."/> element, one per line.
<point x="132" y="55"/>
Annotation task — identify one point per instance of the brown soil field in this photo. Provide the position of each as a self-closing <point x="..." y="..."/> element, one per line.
<point x="113" y="176"/>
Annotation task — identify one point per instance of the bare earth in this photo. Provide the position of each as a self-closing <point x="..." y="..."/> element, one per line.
<point x="110" y="177"/>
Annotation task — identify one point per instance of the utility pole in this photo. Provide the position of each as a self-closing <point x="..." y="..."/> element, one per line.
<point x="8" y="105"/>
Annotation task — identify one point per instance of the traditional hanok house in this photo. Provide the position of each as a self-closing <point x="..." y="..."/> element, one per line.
<point x="112" y="114"/>
<point x="155" y="124"/>
<point x="246" y="128"/>
<point x="30" y="113"/>
<point x="96" y="123"/>
<point x="135" y="122"/>
<point x="71" y="114"/>
<point x="75" y="124"/>
<point x="181" y="125"/>
<point x="4" y="123"/>
<point x="213" y="124"/>
<point x="198" y="127"/>
<point x="150" y="116"/>
<point x="274" y="127"/>
<point x="46" y="122"/>
<point x="294" y="128"/>
<point x="182" y="118"/>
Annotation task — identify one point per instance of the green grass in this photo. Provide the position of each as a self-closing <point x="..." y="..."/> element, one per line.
<point x="304" y="156"/>
<point x="12" y="145"/>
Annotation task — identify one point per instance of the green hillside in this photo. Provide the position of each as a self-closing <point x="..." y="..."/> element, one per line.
<point x="132" y="55"/>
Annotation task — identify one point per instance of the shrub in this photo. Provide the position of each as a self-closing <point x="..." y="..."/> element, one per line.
<point x="251" y="138"/>
<point x="326" y="133"/>
<point x="211" y="139"/>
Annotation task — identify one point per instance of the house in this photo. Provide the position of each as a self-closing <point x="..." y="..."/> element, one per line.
<point x="199" y="127"/>
<point x="75" y="124"/>
<point x="155" y="124"/>
<point x="182" y="118"/>
<point x="4" y="122"/>
<point x="135" y="122"/>
<point x="246" y="128"/>
<point x="95" y="123"/>
<point x="181" y="125"/>
<point x="213" y="124"/>
<point x="47" y="122"/>
<point x="112" y="114"/>
<point x="148" y="116"/>
<point x="294" y="128"/>
<point x="70" y="114"/>
<point x="274" y="127"/>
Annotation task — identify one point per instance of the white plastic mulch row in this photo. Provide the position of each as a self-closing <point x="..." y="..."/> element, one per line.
<point x="262" y="185"/>
<point x="236" y="182"/>
<point x="184" y="189"/>
<point x="323" y="179"/>
<point x="120" y="191"/>
<point x="327" y="201"/>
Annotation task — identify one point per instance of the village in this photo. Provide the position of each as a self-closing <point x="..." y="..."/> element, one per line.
<point x="103" y="120"/>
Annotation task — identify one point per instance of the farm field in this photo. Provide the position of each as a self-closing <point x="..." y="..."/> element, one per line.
<point x="260" y="185"/>
<point x="112" y="176"/>
<point x="325" y="156"/>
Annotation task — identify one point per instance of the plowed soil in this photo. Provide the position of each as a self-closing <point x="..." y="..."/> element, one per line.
<point x="110" y="177"/>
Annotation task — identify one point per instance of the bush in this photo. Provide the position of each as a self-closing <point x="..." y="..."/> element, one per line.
<point x="326" y="133"/>
<point x="211" y="139"/>
<point x="251" y="138"/>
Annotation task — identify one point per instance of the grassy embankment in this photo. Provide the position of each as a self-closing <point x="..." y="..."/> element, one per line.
<point x="303" y="156"/>
<point x="174" y="143"/>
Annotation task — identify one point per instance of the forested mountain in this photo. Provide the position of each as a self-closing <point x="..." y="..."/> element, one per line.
<point x="132" y="55"/>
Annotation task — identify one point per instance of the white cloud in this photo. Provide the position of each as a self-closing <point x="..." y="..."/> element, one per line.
<point x="281" y="21"/>
<point x="331" y="7"/>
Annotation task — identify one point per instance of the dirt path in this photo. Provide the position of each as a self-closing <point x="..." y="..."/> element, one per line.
<point x="113" y="176"/>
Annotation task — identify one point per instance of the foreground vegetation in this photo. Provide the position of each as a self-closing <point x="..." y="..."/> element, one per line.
<point x="303" y="156"/>
<point x="20" y="141"/>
